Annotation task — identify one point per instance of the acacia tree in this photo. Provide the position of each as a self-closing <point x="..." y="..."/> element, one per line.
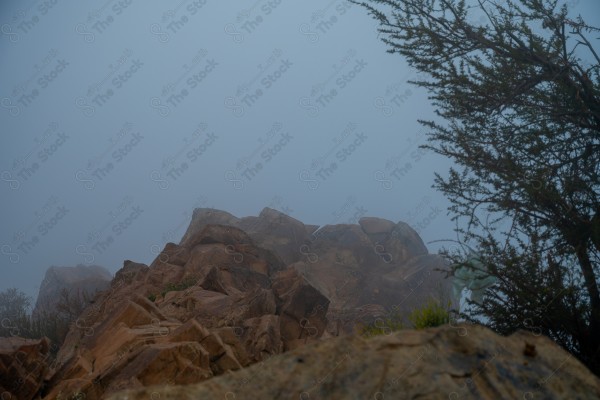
<point x="516" y="84"/>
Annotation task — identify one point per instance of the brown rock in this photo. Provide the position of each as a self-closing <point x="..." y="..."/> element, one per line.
<point x="222" y="234"/>
<point x="207" y="216"/>
<point x="372" y="225"/>
<point x="300" y="320"/>
<point x="212" y="281"/>
<point x="279" y="233"/>
<point x="81" y="280"/>
<point x="190" y="359"/>
<point x="262" y="336"/>
<point x="353" y="271"/>
<point x="374" y="262"/>
<point x="23" y="366"/>
<point x="235" y="245"/>
<point x="202" y="308"/>
<point x="130" y="272"/>
<point x="174" y="254"/>
<point x="236" y="292"/>
<point x="463" y="362"/>
<point x="405" y="236"/>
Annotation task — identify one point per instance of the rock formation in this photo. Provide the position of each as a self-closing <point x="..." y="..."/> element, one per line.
<point x="81" y="280"/>
<point x="23" y="365"/>
<point x="238" y="309"/>
<point x="449" y="362"/>
<point x="367" y="270"/>
<point x="214" y="303"/>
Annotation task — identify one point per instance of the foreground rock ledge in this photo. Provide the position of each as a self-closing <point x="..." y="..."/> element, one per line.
<point x="449" y="362"/>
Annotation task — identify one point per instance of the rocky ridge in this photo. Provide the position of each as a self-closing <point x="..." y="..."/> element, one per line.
<point x="367" y="270"/>
<point x="237" y="291"/>
<point x="215" y="303"/>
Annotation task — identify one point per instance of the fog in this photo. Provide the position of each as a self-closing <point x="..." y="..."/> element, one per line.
<point x="120" y="117"/>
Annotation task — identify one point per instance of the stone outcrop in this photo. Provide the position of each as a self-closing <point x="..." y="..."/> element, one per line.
<point x="367" y="270"/>
<point x="215" y="303"/>
<point x="82" y="281"/>
<point x="272" y="229"/>
<point x="23" y="366"/>
<point x="239" y="308"/>
<point x="449" y="362"/>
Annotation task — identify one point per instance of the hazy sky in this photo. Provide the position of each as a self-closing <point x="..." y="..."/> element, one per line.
<point x="119" y="117"/>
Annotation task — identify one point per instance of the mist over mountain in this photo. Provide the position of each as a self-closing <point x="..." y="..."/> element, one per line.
<point x="193" y="191"/>
<point x="118" y="121"/>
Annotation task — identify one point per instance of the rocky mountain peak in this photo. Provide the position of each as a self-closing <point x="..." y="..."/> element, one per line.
<point x="234" y="292"/>
<point x="79" y="280"/>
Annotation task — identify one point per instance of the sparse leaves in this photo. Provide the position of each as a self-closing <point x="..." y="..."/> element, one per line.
<point x="519" y="96"/>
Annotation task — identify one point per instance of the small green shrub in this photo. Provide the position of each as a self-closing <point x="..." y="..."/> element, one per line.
<point x="382" y="326"/>
<point x="175" y="287"/>
<point x="152" y="297"/>
<point x="430" y="315"/>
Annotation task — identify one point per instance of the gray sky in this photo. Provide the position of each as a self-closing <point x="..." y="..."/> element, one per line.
<point x="119" y="117"/>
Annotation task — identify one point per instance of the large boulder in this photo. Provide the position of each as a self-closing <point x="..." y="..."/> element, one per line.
<point x="303" y="308"/>
<point x="202" y="217"/>
<point x="449" y="362"/>
<point x="278" y="232"/>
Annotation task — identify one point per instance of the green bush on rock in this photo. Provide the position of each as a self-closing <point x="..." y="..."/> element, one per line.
<point x="382" y="326"/>
<point x="430" y="315"/>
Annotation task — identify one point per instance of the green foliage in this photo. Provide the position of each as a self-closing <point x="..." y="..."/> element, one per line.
<point x="430" y="315"/>
<point x="178" y="286"/>
<point x="516" y="89"/>
<point x="152" y="297"/>
<point x="383" y="326"/>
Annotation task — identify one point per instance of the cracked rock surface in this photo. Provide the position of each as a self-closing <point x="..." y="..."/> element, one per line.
<point x="450" y="362"/>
